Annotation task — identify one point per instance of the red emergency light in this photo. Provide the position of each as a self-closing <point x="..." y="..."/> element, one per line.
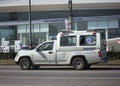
<point x="94" y="33"/>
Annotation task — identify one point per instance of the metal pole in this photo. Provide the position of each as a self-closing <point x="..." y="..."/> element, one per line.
<point x="70" y="14"/>
<point x="30" y="24"/>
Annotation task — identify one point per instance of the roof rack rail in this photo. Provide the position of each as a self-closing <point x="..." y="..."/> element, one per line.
<point x="67" y="31"/>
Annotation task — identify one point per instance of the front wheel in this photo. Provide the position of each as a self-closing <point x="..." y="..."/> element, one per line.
<point x="25" y="64"/>
<point x="78" y="63"/>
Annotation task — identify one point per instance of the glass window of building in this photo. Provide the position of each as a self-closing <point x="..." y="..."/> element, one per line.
<point x="113" y="33"/>
<point x="9" y="33"/>
<point x="109" y="28"/>
<point x="82" y="25"/>
<point x="39" y="33"/>
<point x="55" y="28"/>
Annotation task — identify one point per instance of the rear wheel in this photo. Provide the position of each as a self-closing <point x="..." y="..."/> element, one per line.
<point x="25" y="63"/>
<point x="78" y="63"/>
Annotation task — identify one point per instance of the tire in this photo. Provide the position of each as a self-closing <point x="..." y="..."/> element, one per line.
<point x="79" y="63"/>
<point x="25" y="64"/>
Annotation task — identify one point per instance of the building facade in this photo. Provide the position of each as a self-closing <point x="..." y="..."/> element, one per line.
<point x="48" y="18"/>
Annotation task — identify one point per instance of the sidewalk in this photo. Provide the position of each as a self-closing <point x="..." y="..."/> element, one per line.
<point x="7" y="62"/>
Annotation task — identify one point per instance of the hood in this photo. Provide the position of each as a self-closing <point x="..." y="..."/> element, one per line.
<point x="25" y="52"/>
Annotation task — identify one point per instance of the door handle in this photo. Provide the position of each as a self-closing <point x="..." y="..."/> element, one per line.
<point x="50" y="52"/>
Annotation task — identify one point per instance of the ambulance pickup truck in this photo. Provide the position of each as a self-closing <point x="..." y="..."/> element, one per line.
<point x="79" y="49"/>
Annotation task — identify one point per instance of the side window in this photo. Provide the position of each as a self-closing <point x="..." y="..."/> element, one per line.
<point x="68" y="41"/>
<point x="87" y="40"/>
<point x="46" y="46"/>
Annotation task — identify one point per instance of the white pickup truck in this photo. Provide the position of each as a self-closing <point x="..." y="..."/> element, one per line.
<point x="79" y="49"/>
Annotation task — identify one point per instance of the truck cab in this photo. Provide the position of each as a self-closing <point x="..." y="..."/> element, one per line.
<point x="79" y="49"/>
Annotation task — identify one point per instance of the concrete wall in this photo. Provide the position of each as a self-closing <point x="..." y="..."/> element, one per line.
<point x="48" y="2"/>
<point x="22" y="5"/>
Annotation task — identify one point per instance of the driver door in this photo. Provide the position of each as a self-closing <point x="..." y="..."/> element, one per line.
<point x="45" y="54"/>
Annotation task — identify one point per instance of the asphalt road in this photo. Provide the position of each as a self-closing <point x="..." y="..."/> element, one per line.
<point x="60" y="76"/>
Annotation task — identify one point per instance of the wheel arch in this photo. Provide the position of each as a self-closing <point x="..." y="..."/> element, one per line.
<point x="24" y="57"/>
